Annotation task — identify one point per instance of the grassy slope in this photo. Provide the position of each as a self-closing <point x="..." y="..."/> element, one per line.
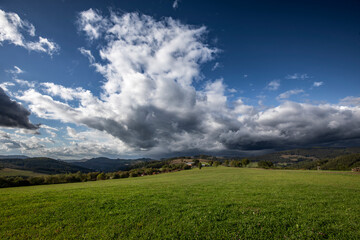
<point x="9" y="172"/>
<point x="212" y="203"/>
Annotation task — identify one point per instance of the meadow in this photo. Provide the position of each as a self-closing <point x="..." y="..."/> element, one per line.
<point x="211" y="203"/>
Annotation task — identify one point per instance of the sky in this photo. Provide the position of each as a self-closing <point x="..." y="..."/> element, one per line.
<point x="158" y="78"/>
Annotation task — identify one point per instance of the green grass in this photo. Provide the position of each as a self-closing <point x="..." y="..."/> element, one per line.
<point x="9" y="172"/>
<point x="212" y="203"/>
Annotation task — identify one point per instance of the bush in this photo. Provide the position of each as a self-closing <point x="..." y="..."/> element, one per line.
<point x="265" y="164"/>
<point x="101" y="176"/>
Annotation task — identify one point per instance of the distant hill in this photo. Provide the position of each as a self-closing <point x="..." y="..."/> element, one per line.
<point x="41" y="165"/>
<point x="304" y="154"/>
<point x="13" y="157"/>
<point x="104" y="164"/>
<point x="310" y="158"/>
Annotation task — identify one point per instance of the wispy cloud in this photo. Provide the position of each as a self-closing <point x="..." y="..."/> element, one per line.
<point x="273" y="85"/>
<point x="12" y="28"/>
<point x="289" y="93"/>
<point x="295" y="76"/>
<point x="216" y="66"/>
<point x="318" y="84"/>
<point x="176" y="4"/>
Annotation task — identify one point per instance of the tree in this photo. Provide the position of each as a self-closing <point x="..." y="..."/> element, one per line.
<point x="227" y="163"/>
<point x="245" y="162"/>
<point x="216" y="163"/>
<point x="200" y="165"/>
<point x="196" y="162"/>
<point x="265" y="164"/>
<point x="211" y="163"/>
<point x="101" y="176"/>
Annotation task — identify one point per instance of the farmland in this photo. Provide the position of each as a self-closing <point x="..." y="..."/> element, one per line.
<point x="211" y="203"/>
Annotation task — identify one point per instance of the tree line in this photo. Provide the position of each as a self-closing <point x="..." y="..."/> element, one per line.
<point x="84" y="177"/>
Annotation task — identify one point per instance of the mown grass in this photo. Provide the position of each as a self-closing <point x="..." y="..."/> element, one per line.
<point x="10" y="172"/>
<point x="211" y="203"/>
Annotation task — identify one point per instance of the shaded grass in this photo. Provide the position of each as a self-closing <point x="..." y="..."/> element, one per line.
<point x="212" y="203"/>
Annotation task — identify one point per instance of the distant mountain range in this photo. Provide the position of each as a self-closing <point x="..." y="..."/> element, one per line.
<point x="41" y="165"/>
<point x="13" y="157"/>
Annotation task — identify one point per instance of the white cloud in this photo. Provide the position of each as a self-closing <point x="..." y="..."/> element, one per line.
<point x="350" y="101"/>
<point x="87" y="53"/>
<point x="318" y="84"/>
<point x="12" y="28"/>
<point x="176" y="4"/>
<point x="216" y="65"/>
<point x="149" y="104"/>
<point x="92" y="23"/>
<point x="15" y="71"/>
<point x="273" y="85"/>
<point x="5" y="86"/>
<point x="289" y="93"/>
<point x="232" y="90"/>
<point x="300" y="76"/>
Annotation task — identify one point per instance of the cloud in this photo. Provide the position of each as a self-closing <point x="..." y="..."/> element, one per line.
<point x="216" y="66"/>
<point x="12" y="114"/>
<point x="318" y="84"/>
<point x="13" y="28"/>
<point x="350" y="101"/>
<point x="92" y="23"/>
<point x="273" y="85"/>
<point x="176" y="4"/>
<point x="149" y="105"/>
<point x="301" y="76"/>
<point x="15" y="71"/>
<point x="87" y="53"/>
<point x="289" y="93"/>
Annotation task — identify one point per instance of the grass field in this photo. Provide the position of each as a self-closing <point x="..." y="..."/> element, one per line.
<point x="212" y="203"/>
<point x="9" y="172"/>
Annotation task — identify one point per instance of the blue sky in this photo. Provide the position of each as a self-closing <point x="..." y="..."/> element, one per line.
<point x="227" y="77"/>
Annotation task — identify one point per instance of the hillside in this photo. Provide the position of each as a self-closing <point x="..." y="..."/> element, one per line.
<point x="41" y="165"/>
<point x="104" y="164"/>
<point x="293" y="157"/>
<point x="212" y="203"/>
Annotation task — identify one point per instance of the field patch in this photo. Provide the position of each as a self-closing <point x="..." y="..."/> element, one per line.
<point x="10" y="172"/>
<point x="211" y="203"/>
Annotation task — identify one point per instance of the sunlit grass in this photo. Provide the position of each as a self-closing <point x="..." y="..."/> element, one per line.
<point x="212" y="203"/>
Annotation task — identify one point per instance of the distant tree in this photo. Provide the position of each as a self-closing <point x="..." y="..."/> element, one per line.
<point x="216" y="163"/>
<point x="211" y="163"/>
<point x="200" y="165"/>
<point x="226" y="163"/>
<point x="265" y="164"/>
<point x="245" y="162"/>
<point x="196" y="162"/>
<point x="101" y="176"/>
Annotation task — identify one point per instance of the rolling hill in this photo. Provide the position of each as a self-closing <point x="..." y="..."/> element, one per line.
<point x="104" y="164"/>
<point x="41" y="165"/>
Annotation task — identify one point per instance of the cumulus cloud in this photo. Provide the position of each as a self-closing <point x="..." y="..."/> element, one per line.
<point x="289" y="93"/>
<point x="148" y="103"/>
<point x="92" y="23"/>
<point x="12" y="114"/>
<point x="13" y="30"/>
<point x="273" y="85"/>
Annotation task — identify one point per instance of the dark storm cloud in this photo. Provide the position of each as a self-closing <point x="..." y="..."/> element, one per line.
<point x="12" y="114"/>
